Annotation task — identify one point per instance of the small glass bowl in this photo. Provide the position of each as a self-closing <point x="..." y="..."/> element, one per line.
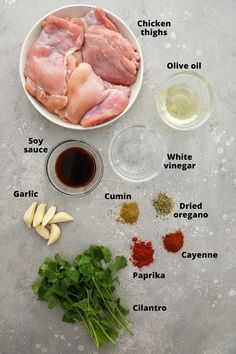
<point x="137" y="153"/>
<point x="51" y="172"/>
<point x="197" y="84"/>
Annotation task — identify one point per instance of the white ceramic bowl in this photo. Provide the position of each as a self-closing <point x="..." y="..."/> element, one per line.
<point x="78" y="11"/>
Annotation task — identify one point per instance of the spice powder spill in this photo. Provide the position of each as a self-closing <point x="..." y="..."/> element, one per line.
<point x="163" y="204"/>
<point x="173" y="242"/>
<point x="129" y="213"/>
<point x="141" y="252"/>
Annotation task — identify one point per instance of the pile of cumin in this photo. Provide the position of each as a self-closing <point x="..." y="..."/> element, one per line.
<point x="129" y="213"/>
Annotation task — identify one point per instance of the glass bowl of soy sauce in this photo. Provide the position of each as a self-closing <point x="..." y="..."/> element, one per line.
<point x="74" y="168"/>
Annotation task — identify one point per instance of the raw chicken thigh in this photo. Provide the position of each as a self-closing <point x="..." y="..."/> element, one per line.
<point x="46" y="66"/>
<point x="98" y="17"/>
<point x="77" y="66"/>
<point x="62" y="34"/>
<point x="114" y="103"/>
<point x="87" y="92"/>
<point x="111" y="56"/>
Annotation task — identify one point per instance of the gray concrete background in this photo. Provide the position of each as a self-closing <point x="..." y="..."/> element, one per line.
<point x="201" y="294"/>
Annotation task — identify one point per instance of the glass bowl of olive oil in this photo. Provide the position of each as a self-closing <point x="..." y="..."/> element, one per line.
<point x="185" y="101"/>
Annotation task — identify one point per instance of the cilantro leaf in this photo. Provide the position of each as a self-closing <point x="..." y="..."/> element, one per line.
<point x="119" y="263"/>
<point x="85" y="290"/>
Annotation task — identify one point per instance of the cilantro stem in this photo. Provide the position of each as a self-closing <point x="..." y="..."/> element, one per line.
<point x="93" y="333"/>
<point x="121" y="315"/>
<point x="103" y="330"/>
<point x="125" y="319"/>
<point x="72" y="294"/>
<point x="108" y="307"/>
<point x="112" y="324"/>
<point x="88" y="297"/>
<point x="90" y="328"/>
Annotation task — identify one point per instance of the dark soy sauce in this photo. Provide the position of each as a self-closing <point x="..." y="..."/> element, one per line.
<point x="75" y="167"/>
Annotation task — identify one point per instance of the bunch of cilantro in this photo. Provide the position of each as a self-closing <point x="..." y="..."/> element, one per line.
<point x="85" y="292"/>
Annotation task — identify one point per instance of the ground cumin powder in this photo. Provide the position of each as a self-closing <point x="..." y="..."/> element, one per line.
<point x="129" y="213"/>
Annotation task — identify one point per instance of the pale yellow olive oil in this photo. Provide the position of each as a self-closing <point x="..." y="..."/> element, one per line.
<point x="180" y="104"/>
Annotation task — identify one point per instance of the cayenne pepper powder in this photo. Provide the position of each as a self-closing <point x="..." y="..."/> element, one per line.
<point x="173" y="242"/>
<point x="141" y="252"/>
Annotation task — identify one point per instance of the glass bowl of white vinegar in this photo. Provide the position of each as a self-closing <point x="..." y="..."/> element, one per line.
<point x="185" y="101"/>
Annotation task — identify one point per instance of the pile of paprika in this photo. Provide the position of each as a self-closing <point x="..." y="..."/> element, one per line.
<point x="141" y="252"/>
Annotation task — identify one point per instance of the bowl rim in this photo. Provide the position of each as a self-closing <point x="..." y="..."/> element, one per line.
<point x="49" y="155"/>
<point x="40" y="108"/>
<point x="210" y="92"/>
<point x="143" y="180"/>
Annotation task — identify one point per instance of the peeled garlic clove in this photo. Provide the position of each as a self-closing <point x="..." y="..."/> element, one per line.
<point x="49" y="215"/>
<point x="61" y="217"/>
<point x="42" y="231"/>
<point x="29" y="214"/>
<point x="39" y="214"/>
<point x="55" y="233"/>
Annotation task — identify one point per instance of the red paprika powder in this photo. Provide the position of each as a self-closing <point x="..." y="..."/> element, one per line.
<point x="173" y="242"/>
<point x="141" y="252"/>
